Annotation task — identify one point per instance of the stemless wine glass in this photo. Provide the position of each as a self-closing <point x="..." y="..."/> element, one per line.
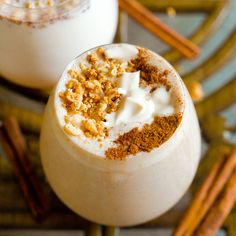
<point x="114" y="192"/>
<point x="37" y="43"/>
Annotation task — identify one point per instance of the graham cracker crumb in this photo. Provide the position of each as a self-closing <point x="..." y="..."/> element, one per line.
<point x="92" y="58"/>
<point x="92" y="94"/>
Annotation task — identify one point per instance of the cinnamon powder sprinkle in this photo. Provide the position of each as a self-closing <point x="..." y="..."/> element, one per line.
<point x="144" y="140"/>
<point x="149" y="75"/>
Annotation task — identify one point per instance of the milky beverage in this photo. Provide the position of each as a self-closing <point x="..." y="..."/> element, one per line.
<point x="39" y="37"/>
<point x="120" y="140"/>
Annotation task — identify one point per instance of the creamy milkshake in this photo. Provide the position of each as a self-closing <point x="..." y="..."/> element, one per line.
<point x="120" y="140"/>
<point x="39" y="37"/>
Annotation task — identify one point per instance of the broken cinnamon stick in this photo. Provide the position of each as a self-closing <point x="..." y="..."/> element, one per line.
<point x="208" y="193"/>
<point x="14" y="145"/>
<point x="147" y="19"/>
<point x="219" y="210"/>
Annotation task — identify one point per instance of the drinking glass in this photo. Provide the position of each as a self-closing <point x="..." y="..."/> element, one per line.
<point x="114" y="192"/>
<point x="36" y="44"/>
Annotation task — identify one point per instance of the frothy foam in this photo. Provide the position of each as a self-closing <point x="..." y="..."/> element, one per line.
<point x="124" y="52"/>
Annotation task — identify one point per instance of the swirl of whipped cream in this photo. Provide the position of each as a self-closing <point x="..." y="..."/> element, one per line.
<point x="137" y="104"/>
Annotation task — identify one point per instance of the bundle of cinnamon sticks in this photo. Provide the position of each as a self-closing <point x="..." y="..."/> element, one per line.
<point x="15" y="149"/>
<point x="149" y="21"/>
<point x="213" y="202"/>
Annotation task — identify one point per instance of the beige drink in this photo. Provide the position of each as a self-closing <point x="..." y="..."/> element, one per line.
<point x="39" y="37"/>
<point x="120" y="140"/>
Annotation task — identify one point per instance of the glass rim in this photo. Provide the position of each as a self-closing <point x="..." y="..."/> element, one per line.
<point x="59" y="123"/>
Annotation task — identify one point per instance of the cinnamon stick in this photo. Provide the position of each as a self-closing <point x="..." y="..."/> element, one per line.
<point x="146" y="18"/>
<point x="17" y="140"/>
<point x="14" y="145"/>
<point x="220" y="209"/>
<point x="208" y="193"/>
<point x="21" y="179"/>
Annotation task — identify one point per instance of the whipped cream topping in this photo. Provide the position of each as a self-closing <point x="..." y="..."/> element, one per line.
<point x="138" y="104"/>
<point x="123" y="52"/>
<point x="162" y="100"/>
